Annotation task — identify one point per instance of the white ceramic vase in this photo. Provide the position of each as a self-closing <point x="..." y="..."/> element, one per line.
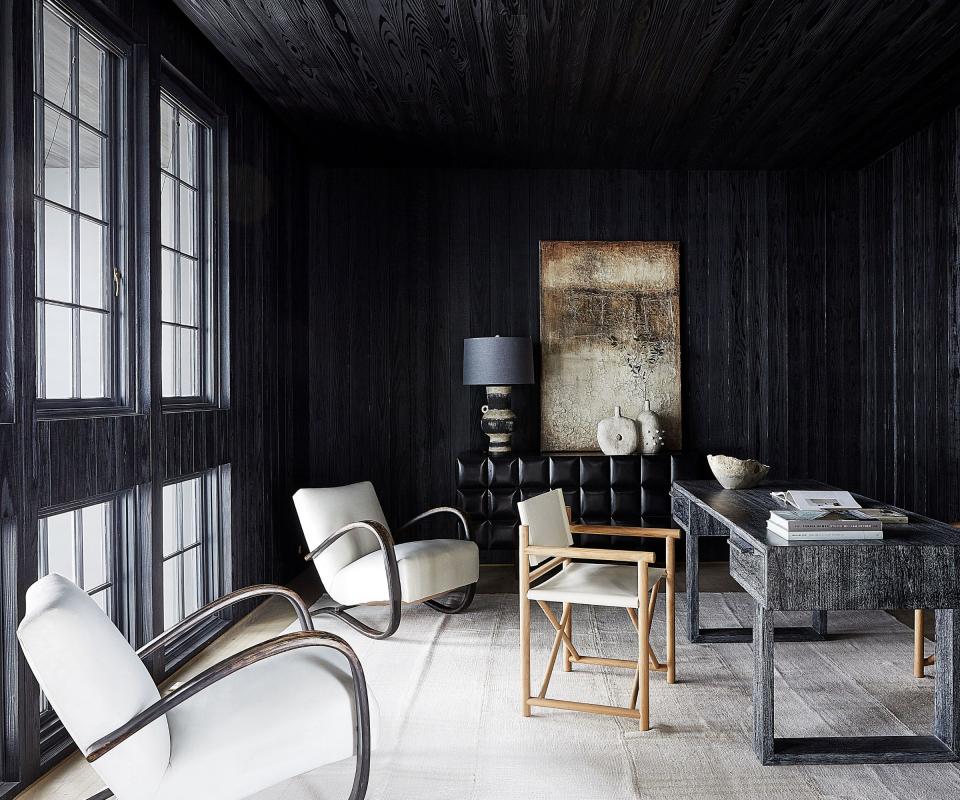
<point x="617" y="435"/>
<point x="651" y="431"/>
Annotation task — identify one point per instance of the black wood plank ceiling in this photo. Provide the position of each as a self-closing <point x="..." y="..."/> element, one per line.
<point x="644" y="83"/>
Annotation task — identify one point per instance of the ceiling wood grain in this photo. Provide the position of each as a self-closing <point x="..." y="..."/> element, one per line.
<point x="643" y="83"/>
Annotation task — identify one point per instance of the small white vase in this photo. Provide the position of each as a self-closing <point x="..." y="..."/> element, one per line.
<point x="617" y="435"/>
<point x="651" y="431"/>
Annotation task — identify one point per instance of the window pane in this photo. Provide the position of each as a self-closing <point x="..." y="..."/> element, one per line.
<point x="93" y="76"/>
<point x="168" y="211"/>
<point x="59" y="545"/>
<point x="170" y="543"/>
<point x="57" y="254"/>
<point x="188" y="151"/>
<point x="56" y="60"/>
<point x="92" y="354"/>
<point x="57" y="157"/>
<point x="91" y="173"/>
<point x="190" y="505"/>
<point x="105" y="601"/>
<point x="92" y="265"/>
<point x="188" y="365"/>
<point x="171" y="592"/>
<point x="185" y="272"/>
<point x="188" y="221"/>
<point x="189" y="291"/>
<point x="191" y="581"/>
<point x="168" y="359"/>
<point x="167" y="134"/>
<point x="168" y="278"/>
<point x="95" y="530"/>
<point x="57" y="350"/>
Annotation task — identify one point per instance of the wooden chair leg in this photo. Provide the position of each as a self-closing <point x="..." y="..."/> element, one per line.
<point x="671" y="564"/>
<point x="557" y="640"/>
<point x="918" y="643"/>
<point x="567" y="655"/>
<point x="643" y="660"/>
<point x="524" y="623"/>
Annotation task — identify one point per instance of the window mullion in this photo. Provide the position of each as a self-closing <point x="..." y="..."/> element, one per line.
<point x="78" y="547"/>
<point x="44" y="565"/>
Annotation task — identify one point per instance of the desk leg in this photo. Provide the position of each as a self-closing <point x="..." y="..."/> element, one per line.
<point x="819" y="623"/>
<point x="692" y="578"/>
<point x="763" y="684"/>
<point x="946" y="698"/>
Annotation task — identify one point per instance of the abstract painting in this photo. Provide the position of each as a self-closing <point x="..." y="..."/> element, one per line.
<point x="610" y="335"/>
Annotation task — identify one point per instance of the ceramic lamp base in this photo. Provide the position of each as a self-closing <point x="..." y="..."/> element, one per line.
<point x="498" y="420"/>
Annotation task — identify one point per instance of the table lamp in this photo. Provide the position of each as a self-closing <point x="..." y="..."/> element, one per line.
<point x="499" y="363"/>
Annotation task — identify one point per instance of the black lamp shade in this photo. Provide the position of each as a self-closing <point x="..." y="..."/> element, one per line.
<point x="497" y="361"/>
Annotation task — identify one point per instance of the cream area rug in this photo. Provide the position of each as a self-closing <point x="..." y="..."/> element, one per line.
<point x="451" y="728"/>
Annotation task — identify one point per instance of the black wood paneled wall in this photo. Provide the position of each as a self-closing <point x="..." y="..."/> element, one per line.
<point x="910" y="321"/>
<point x="45" y="462"/>
<point x="807" y="342"/>
<point x="769" y="276"/>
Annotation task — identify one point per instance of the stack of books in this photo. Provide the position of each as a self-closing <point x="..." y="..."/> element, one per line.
<point x="832" y="525"/>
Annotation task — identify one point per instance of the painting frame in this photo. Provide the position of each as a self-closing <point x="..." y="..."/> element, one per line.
<point x="610" y="335"/>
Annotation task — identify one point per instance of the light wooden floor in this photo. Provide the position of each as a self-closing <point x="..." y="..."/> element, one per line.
<point x="74" y="779"/>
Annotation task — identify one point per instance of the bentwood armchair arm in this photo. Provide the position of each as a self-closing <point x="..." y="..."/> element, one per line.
<point x="259" y="652"/>
<point x="209" y="610"/>
<point x="440" y="510"/>
<point x="393" y="577"/>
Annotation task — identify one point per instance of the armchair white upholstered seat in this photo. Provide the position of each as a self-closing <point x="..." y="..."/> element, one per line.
<point x="359" y="563"/>
<point x="427" y="569"/>
<point x="274" y="711"/>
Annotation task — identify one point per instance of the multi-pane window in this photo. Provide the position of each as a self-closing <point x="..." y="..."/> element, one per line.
<point x="186" y="253"/>
<point x="191" y="546"/>
<point x="77" y="153"/>
<point x="80" y="545"/>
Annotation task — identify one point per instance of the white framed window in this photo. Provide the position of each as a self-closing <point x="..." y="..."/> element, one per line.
<point x="189" y="296"/>
<point x="79" y="180"/>
<point x="83" y="544"/>
<point x="195" y="543"/>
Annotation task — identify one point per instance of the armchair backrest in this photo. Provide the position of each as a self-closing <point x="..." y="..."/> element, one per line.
<point x="324" y="511"/>
<point x="95" y="682"/>
<point x="546" y="519"/>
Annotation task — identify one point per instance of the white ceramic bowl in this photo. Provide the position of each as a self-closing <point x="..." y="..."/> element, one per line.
<point x="737" y="473"/>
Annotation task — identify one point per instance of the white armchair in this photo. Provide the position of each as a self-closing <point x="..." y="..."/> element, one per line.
<point x="354" y="553"/>
<point x="274" y="711"/>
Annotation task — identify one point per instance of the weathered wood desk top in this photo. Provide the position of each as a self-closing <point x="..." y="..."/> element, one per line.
<point x="916" y="565"/>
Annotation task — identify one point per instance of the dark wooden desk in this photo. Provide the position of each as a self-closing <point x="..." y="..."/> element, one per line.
<point x="698" y="521"/>
<point x="913" y="566"/>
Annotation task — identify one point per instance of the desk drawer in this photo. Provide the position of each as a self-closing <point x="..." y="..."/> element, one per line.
<point x="748" y="567"/>
<point x="680" y="507"/>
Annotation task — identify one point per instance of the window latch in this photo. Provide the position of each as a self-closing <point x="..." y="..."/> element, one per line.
<point x="116" y="282"/>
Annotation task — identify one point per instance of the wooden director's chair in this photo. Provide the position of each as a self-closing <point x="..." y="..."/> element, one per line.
<point x="546" y="544"/>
